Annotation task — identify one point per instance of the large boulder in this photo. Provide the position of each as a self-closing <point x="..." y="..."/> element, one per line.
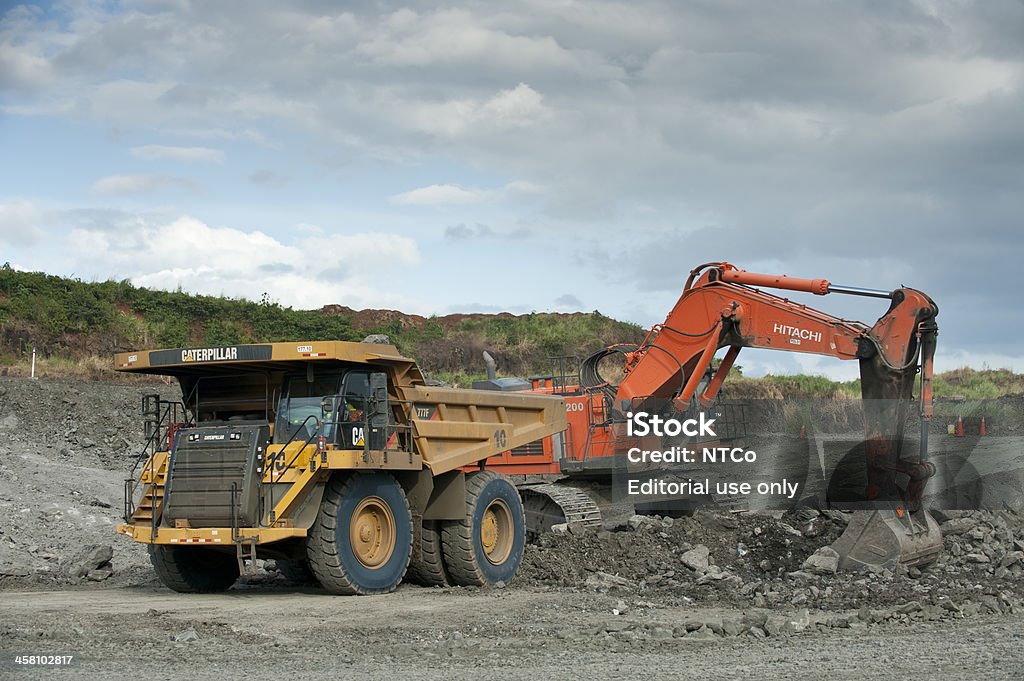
<point x="824" y="561"/>
<point x="91" y="558"/>
<point x="698" y="558"/>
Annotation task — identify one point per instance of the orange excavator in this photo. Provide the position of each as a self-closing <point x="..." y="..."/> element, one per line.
<point x="722" y="306"/>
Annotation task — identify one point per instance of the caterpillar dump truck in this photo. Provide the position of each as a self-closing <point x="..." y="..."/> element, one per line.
<point x="334" y="458"/>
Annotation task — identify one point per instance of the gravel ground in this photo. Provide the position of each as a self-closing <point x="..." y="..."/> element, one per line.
<point x="724" y="593"/>
<point x="513" y="633"/>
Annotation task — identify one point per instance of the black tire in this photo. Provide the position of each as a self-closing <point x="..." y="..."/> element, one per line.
<point x="375" y="502"/>
<point x="468" y="561"/>
<point x="193" y="570"/>
<point x="295" y="571"/>
<point x="429" y="568"/>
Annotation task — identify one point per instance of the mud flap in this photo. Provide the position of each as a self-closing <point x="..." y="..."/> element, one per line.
<point x="882" y="539"/>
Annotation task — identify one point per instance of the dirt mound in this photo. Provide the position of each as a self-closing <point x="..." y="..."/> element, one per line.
<point x="65" y="449"/>
<point x="765" y="560"/>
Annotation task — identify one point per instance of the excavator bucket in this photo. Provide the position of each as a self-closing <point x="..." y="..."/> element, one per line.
<point x="883" y="539"/>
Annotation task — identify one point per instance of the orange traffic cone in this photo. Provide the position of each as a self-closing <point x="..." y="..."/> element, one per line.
<point x="983" y="431"/>
<point x="959" y="426"/>
<point x="803" y="432"/>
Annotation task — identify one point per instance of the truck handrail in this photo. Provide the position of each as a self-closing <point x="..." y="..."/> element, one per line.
<point x="309" y="440"/>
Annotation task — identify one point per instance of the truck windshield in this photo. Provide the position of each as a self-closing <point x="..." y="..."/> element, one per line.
<point x="301" y="400"/>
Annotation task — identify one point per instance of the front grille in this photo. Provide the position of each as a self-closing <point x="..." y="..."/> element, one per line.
<point x="206" y="464"/>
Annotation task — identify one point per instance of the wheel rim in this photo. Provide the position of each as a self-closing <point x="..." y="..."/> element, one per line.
<point x="372" y="532"/>
<point x="497" y="532"/>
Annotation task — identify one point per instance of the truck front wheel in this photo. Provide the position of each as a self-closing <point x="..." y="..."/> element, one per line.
<point x="361" y="540"/>
<point x="190" y="569"/>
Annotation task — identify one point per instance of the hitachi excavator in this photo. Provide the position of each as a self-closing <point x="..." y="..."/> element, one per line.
<point x="722" y="306"/>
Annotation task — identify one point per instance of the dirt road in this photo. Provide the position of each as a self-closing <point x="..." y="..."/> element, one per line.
<point x="458" y="633"/>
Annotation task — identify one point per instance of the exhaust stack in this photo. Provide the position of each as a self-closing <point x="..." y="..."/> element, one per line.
<point x="492" y="368"/>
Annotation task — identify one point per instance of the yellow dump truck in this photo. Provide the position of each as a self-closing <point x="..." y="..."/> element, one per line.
<point x="335" y="459"/>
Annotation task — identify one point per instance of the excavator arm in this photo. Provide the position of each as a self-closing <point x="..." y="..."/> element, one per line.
<point x="720" y="307"/>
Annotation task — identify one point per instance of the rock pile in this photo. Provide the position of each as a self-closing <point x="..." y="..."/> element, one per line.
<point x="65" y="448"/>
<point x="763" y="561"/>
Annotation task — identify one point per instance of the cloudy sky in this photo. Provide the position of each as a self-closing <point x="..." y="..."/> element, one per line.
<point x="520" y="156"/>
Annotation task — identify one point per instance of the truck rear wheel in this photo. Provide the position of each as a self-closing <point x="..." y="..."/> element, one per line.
<point x="429" y="568"/>
<point x="362" y="537"/>
<point x="486" y="546"/>
<point x="193" y="569"/>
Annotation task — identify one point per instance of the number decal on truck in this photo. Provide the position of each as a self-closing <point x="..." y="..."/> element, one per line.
<point x="500" y="438"/>
<point x="276" y="461"/>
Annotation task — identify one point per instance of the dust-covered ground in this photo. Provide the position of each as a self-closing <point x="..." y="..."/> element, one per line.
<point x="730" y="594"/>
<point x="521" y="632"/>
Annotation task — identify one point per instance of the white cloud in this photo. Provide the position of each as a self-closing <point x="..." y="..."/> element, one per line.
<point x="439" y="194"/>
<point x="137" y="184"/>
<point x="23" y="68"/>
<point x="20" y="222"/>
<point x="344" y="269"/>
<point x="185" y="154"/>
<point x="458" y="37"/>
<point x="518" y="107"/>
<point x="524" y="187"/>
<point x="451" y="194"/>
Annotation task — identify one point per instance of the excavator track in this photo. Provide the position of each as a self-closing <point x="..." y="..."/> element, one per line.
<point x="548" y="504"/>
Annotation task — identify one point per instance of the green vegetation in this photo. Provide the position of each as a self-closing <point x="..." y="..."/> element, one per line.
<point x="76" y="326"/>
<point x="521" y="345"/>
<point x="72" y="322"/>
<point x="978" y="384"/>
<point x="803" y="386"/>
<point x="964" y="384"/>
<point x="73" y="318"/>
